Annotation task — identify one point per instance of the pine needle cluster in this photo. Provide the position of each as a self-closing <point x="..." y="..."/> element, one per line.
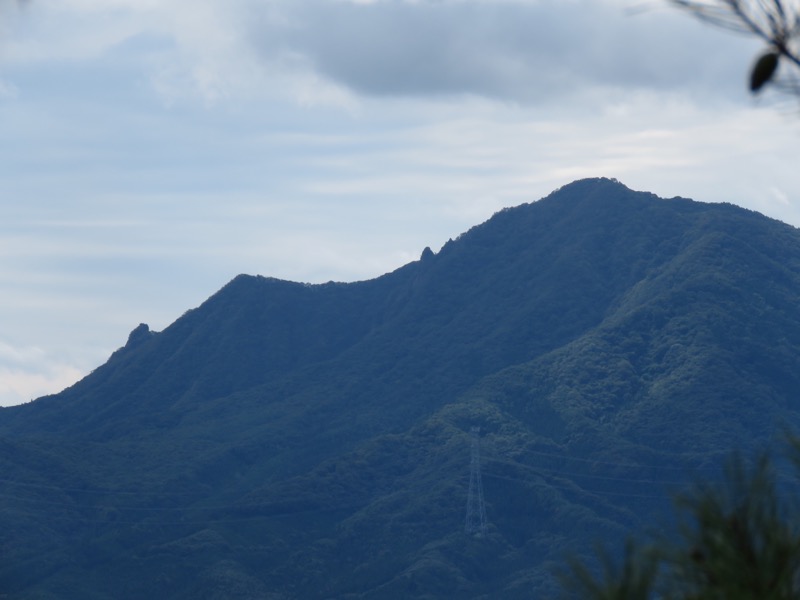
<point x="737" y="540"/>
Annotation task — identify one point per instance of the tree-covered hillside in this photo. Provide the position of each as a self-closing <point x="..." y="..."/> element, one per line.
<point x="286" y="440"/>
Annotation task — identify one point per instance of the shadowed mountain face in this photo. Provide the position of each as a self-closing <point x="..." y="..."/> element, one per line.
<point x="289" y="441"/>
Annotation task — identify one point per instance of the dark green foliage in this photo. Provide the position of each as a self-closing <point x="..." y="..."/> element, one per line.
<point x="763" y="70"/>
<point x="740" y="541"/>
<point x="775" y="23"/>
<point x="312" y="441"/>
<point x="633" y="578"/>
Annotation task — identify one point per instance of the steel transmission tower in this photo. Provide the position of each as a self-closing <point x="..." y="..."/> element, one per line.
<point x="476" y="509"/>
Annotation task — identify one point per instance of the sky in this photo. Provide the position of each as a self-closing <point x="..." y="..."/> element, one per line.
<point x="151" y="150"/>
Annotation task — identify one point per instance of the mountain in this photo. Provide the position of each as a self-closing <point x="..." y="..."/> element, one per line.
<point x="295" y="441"/>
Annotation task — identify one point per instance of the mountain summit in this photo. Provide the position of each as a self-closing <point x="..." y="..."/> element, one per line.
<point x="283" y="440"/>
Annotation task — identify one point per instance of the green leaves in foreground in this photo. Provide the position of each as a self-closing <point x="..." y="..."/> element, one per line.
<point x="739" y="540"/>
<point x="763" y="70"/>
<point x="633" y="579"/>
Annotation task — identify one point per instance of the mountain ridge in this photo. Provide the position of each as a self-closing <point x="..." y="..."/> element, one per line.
<point x="313" y="441"/>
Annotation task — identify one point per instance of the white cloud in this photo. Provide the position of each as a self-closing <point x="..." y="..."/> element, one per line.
<point x="8" y="90"/>
<point x="29" y="372"/>
<point x="317" y="52"/>
<point x="779" y="196"/>
<point x="528" y="52"/>
<point x="19" y="356"/>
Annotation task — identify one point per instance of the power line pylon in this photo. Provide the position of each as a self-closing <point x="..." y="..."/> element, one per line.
<point x="476" y="509"/>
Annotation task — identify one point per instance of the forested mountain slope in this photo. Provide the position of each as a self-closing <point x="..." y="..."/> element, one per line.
<point x="285" y="440"/>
